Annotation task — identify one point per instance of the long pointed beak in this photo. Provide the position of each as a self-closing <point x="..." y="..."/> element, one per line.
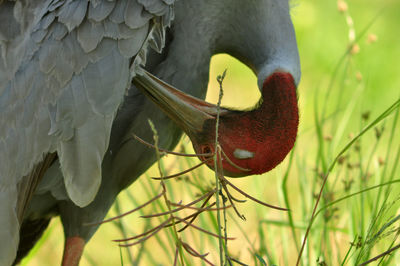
<point x="188" y="112"/>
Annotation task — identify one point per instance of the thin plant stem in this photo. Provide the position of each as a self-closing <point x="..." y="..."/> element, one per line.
<point x="380" y="118"/>
<point x="177" y="239"/>
<point x="217" y="168"/>
<point x="387" y="252"/>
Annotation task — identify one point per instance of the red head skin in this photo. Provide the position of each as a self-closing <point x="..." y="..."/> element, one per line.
<point x="268" y="132"/>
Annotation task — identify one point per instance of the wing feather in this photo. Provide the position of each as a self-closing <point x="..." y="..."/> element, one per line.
<point x="156" y="7"/>
<point x="90" y="33"/>
<point x="9" y="28"/>
<point x="135" y="16"/>
<point x="64" y="68"/>
<point x="131" y="46"/>
<point x="81" y="158"/>
<point x="59" y="32"/>
<point x="82" y="109"/>
<point x="100" y="12"/>
<point x="117" y="15"/>
<point x="72" y="13"/>
<point x="111" y="29"/>
<point x="105" y="47"/>
<point x="102" y="82"/>
<point x="9" y="221"/>
<point x="67" y="50"/>
<point x="47" y="57"/>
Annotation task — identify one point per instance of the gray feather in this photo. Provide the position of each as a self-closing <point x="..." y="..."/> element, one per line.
<point x="55" y="4"/>
<point x="157" y="39"/>
<point x="100" y="12"/>
<point x="126" y="32"/>
<point x="105" y="82"/>
<point x="72" y="13"/>
<point x="117" y="15"/>
<point x="64" y="69"/>
<point x="31" y="103"/>
<point x="168" y="17"/>
<point x="95" y="2"/>
<point x="53" y="181"/>
<point x="80" y="58"/>
<point x="39" y="35"/>
<point x="135" y="16"/>
<point x="141" y="58"/>
<point x="168" y="2"/>
<point x="156" y="7"/>
<point x="65" y="107"/>
<point x="48" y="56"/>
<point x="103" y="49"/>
<point x="130" y="47"/>
<point x="89" y="35"/>
<point x="82" y="109"/>
<point x="9" y="28"/>
<point x="81" y="158"/>
<point x="111" y="29"/>
<point x="9" y="221"/>
<point x="47" y="20"/>
<point x="59" y="31"/>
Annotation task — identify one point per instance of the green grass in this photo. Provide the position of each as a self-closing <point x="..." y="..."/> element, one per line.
<point x="349" y="135"/>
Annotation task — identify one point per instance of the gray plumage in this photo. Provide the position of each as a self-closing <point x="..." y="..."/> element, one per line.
<point x="79" y="99"/>
<point x="65" y="67"/>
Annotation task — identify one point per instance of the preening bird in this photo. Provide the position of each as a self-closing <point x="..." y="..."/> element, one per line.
<point x="72" y="93"/>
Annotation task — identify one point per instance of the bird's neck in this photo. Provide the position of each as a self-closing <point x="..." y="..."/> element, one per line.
<point x="278" y="112"/>
<point x="269" y="131"/>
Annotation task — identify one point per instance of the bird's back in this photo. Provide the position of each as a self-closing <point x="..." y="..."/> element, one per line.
<point x="64" y="69"/>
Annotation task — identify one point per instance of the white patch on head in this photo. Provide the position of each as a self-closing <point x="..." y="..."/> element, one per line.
<point x="243" y="154"/>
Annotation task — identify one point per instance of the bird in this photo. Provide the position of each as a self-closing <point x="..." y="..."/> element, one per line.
<point x="73" y="91"/>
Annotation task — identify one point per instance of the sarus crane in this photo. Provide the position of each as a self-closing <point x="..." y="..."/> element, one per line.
<point x="73" y="91"/>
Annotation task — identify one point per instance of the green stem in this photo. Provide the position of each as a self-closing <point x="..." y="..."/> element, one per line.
<point x="217" y="171"/>
<point x="167" y="202"/>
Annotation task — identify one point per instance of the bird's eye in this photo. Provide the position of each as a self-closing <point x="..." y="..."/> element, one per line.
<point x="207" y="151"/>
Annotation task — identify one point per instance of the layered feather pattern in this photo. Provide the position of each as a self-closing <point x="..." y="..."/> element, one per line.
<point x="64" y="68"/>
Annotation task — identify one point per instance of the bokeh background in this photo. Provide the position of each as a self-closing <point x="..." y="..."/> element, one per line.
<point x="350" y="56"/>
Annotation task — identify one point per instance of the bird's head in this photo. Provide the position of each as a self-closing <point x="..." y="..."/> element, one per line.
<point x="260" y="34"/>
<point x="256" y="140"/>
<point x="252" y="141"/>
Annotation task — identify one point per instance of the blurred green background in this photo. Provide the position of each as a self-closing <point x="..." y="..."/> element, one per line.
<point x="350" y="74"/>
